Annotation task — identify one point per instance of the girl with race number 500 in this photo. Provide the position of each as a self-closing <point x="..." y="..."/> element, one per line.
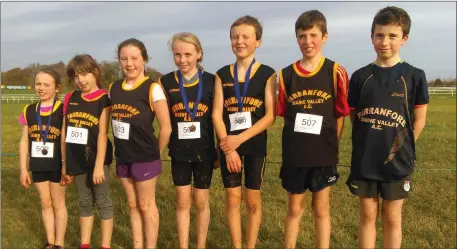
<point x="39" y="145"/>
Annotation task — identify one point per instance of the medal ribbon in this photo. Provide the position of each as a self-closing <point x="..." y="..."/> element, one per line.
<point x="44" y="134"/>
<point x="237" y="84"/>
<point x="184" y="95"/>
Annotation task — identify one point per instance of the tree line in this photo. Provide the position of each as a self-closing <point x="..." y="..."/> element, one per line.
<point x="111" y="72"/>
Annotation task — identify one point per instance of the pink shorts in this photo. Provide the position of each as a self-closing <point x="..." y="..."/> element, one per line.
<point x="138" y="171"/>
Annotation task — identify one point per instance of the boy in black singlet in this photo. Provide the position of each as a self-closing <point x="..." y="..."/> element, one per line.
<point x="388" y="100"/>
<point x="312" y="99"/>
<point x="244" y="102"/>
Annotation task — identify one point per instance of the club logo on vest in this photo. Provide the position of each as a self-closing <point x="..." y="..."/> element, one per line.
<point x="331" y="179"/>
<point x="174" y="90"/>
<point x="407" y="186"/>
<point x="395" y="94"/>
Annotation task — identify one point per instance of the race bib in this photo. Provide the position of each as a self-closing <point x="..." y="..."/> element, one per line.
<point x="308" y="123"/>
<point x="40" y="150"/>
<point x="188" y="130"/>
<point x="76" y="135"/>
<point x="240" y="121"/>
<point x="121" y="130"/>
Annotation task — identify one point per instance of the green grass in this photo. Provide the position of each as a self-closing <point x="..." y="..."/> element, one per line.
<point x="429" y="218"/>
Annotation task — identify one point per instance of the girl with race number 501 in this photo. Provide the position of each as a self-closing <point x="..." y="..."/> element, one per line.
<point x="87" y="151"/>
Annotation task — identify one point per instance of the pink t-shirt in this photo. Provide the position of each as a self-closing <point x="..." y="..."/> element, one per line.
<point x="22" y="120"/>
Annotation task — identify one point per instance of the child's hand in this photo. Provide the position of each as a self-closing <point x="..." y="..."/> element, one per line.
<point x="99" y="175"/>
<point x="233" y="162"/>
<point x="25" y="179"/>
<point x="66" y="180"/>
<point x="230" y="143"/>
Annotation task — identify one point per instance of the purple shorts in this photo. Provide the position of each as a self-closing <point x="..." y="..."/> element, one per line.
<point x="138" y="171"/>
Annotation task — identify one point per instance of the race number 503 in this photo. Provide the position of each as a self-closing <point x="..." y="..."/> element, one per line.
<point x="76" y="135"/>
<point x="121" y="130"/>
<point x="308" y="123"/>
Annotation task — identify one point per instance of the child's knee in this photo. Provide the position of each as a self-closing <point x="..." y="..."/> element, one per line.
<point x="321" y="211"/>
<point x="296" y="210"/>
<point x="46" y="203"/>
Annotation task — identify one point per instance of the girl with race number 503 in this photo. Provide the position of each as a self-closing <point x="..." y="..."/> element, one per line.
<point x="136" y="101"/>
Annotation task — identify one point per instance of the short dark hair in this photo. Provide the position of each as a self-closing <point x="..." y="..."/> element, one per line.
<point x="136" y="43"/>
<point x="392" y="15"/>
<point x="84" y="63"/>
<point x="251" y="21"/>
<point x="309" y="19"/>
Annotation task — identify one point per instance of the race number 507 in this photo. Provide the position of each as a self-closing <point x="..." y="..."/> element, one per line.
<point x="308" y="122"/>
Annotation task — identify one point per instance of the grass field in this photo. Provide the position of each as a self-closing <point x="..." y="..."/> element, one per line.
<point x="429" y="214"/>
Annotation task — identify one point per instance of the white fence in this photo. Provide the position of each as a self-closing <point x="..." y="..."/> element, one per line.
<point x="21" y="98"/>
<point x="442" y="91"/>
<point x="30" y="98"/>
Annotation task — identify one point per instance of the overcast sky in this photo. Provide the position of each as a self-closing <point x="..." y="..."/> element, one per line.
<point x="49" y="32"/>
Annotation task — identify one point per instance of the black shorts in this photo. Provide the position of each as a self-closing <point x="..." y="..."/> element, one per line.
<point x="42" y="176"/>
<point x="254" y="168"/>
<point x="182" y="173"/>
<point x="297" y="179"/>
<point x="390" y="191"/>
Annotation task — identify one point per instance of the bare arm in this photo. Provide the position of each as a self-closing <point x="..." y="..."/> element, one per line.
<point x="339" y="127"/>
<point x="62" y="147"/>
<point x="24" y="155"/>
<point x="163" y="117"/>
<point x="218" y="109"/>
<point x="24" y="149"/>
<point x="420" y="114"/>
<point x="102" y="137"/>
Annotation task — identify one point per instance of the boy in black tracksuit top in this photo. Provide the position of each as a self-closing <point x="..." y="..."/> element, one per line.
<point x="388" y="100"/>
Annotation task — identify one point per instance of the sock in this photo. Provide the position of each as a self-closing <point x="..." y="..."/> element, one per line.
<point x="85" y="246"/>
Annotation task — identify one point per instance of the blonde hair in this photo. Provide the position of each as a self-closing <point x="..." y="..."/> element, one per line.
<point x="191" y="38"/>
